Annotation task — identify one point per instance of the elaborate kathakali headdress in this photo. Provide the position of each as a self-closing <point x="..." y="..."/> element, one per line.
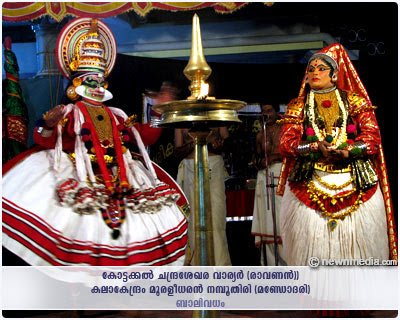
<point x="85" y="46"/>
<point x="347" y="76"/>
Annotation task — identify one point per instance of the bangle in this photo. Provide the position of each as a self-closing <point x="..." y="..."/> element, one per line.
<point x="359" y="148"/>
<point x="303" y="148"/>
<point x="355" y="151"/>
<point x="40" y="126"/>
<point x="360" y="145"/>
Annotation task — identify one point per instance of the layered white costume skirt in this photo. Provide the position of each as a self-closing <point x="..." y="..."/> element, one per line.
<point x="218" y="204"/>
<point x="305" y="233"/>
<point x="42" y="232"/>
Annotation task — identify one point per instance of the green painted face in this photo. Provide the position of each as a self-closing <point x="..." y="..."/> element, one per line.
<point x="94" y="87"/>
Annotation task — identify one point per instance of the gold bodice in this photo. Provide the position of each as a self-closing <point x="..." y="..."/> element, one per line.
<point x="102" y="123"/>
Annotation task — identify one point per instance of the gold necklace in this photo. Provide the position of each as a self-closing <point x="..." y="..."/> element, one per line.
<point x="321" y="134"/>
<point x="315" y="195"/>
<point x="312" y="188"/>
<point x="328" y="109"/>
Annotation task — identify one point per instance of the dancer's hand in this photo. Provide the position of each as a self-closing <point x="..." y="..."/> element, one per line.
<point x="325" y="148"/>
<point x="217" y="143"/>
<point x="340" y="154"/>
<point x="53" y="116"/>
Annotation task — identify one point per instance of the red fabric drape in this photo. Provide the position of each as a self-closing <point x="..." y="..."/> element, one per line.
<point x="239" y="203"/>
<point x="22" y="11"/>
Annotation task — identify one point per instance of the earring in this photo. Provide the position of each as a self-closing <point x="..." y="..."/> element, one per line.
<point x="334" y="77"/>
<point x="71" y="93"/>
<point x="306" y="79"/>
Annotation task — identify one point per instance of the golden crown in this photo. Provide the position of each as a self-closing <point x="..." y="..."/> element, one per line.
<point x="89" y="53"/>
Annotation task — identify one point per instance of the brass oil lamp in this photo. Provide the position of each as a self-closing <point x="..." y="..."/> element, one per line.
<point x="200" y="113"/>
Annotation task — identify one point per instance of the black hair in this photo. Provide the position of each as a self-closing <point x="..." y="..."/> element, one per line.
<point x="274" y="105"/>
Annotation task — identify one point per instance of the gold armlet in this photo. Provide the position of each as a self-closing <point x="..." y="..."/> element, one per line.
<point x="64" y="121"/>
<point x="356" y="100"/>
<point x="130" y="122"/>
<point x="45" y="116"/>
<point x="289" y="120"/>
<point x="295" y="107"/>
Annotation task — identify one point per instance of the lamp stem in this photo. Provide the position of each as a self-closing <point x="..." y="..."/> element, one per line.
<point x="203" y="230"/>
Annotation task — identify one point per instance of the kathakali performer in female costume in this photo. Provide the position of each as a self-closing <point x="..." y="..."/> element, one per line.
<point x="86" y="199"/>
<point x="336" y="199"/>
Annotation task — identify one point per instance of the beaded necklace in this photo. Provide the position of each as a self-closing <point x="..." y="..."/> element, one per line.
<point x="341" y="136"/>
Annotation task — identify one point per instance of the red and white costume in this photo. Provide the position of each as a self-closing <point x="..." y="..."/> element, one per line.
<point x="335" y="210"/>
<point x="73" y="202"/>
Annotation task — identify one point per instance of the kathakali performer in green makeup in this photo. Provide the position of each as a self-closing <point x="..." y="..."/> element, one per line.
<point x="85" y="198"/>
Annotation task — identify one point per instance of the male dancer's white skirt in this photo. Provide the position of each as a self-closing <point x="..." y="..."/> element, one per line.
<point x="42" y="232"/>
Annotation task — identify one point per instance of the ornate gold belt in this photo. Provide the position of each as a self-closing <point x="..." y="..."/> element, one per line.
<point x="108" y="159"/>
<point x="331" y="168"/>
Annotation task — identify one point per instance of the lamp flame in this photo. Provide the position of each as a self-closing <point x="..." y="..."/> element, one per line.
<point x="204" y="87"/>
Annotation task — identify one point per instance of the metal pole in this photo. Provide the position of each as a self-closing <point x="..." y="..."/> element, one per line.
<point x="264" y="252"/>
<point x="264" y="126"/>
<point x="204" y="244"/>
<point x="203" y="230"/>
<point x="273" y="211"/>
<point x="265" y="156"/>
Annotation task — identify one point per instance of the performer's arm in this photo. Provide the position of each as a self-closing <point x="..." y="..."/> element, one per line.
<point x="178" y="138"/>
<point x="367" y="135"/>
<point x="224" y="133"/>
<point x="148" y="134"/>
<point x="45" y="133"/>
<point x="290" y="140"/>
<point x="369" y="132"/>
<point x="260" y="156"/>
<point x="182" y="150"/>
<point x="45" y="137"/>
<point x="292" y="130"/>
